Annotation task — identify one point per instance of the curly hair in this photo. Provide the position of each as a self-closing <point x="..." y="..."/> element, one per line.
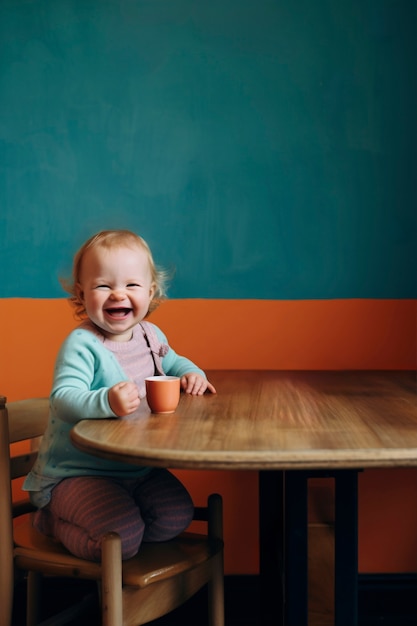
<point x="114" y="239"/>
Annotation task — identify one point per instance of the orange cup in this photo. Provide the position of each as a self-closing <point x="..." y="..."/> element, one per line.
<point x="162" y="393"/>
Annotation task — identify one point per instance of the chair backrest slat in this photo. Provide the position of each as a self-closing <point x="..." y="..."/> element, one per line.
<point x="27" y="418"/>
<point x="21" y="464"/>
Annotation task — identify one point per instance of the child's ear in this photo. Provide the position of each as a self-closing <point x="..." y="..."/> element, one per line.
<point x="152" y="291"/>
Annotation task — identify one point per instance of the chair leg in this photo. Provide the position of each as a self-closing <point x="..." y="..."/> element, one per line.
<point x="216" y="584"/>
<point x="111" y="590"/>
<point x="33" y="588"/>
<point x="216" y="594"/>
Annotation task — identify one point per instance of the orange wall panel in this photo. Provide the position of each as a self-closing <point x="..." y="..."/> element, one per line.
<point x="388" y="520"/>
<point x="226" y="334"/>
<point x="261" y="334"/>
<point x="294" y="334"/>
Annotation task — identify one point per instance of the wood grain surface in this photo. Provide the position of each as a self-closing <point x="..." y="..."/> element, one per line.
<point x="272" y="420"/>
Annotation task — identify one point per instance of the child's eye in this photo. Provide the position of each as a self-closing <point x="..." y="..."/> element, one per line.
<point x="102" y="287"/>
<point x="133" y="285"/>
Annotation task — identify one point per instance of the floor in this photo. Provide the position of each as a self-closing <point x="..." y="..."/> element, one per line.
<point x="62" y="593"/>
<point x="382" y="602"/>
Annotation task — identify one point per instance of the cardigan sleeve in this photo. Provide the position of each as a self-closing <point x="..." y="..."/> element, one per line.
<point x="84" y="372"/>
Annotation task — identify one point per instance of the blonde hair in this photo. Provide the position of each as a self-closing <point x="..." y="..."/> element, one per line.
<point x="113" y="239"/>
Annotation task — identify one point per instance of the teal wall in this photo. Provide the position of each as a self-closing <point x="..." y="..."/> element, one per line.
<point x="265" y="149"/>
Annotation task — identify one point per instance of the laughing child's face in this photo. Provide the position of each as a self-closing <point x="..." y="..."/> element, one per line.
<point x="116" y="289"/>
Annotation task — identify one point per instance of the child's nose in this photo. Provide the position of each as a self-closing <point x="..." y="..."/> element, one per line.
<point x="117" y="294"/>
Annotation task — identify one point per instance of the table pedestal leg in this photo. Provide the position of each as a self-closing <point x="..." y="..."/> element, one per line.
<point x="346" y="548"/>
<point x="296" y="548"/>
<point x="271" y="547"/>
<point x="283" y="527"/>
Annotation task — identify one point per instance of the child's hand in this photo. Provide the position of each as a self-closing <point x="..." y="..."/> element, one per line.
<point x="195" y="384"/>
<point x="124" y="398"/>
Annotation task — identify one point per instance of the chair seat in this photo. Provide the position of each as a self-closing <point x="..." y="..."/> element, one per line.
<point x="153" y="563"/>
<point x="158" y="561"/>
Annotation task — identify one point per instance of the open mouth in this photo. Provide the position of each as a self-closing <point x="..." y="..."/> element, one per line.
<point x="118" y="313"/>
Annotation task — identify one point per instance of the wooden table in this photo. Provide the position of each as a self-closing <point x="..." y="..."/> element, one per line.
<point x="290" y="426"/>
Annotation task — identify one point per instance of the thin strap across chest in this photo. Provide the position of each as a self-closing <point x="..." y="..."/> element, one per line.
<point x="158" y="350"/>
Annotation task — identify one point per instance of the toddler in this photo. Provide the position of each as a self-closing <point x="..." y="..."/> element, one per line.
<point x="100" y="372"/>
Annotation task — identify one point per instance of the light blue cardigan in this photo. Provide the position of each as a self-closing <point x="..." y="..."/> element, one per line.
<point x="84" y="372"/>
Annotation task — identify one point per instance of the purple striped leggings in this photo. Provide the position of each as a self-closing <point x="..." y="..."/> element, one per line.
<point x="154" y="507"/>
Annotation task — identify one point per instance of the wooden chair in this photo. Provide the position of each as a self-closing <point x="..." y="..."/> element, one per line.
<point x="159" y="579"/>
